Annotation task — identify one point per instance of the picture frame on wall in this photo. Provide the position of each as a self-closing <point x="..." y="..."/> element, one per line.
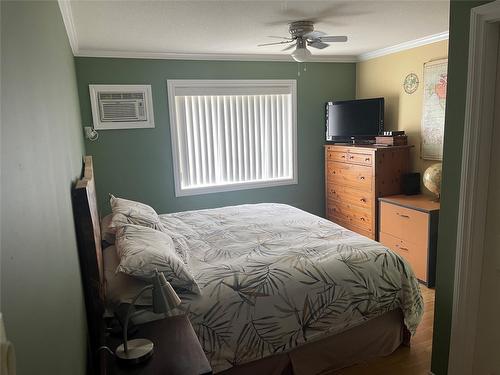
<point x="435" y="81"/>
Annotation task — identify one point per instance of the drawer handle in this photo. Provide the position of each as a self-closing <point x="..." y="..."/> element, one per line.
<point x="343" y="156"/>
<point x="405" y="216"/>
<point x="362" y="218"/>
<point x="362" y="177"/>
<point x="363" y="200"/>
<point x="367" y="159"/>
<point x="401" y="247"/>
<point x="351" y="157"/>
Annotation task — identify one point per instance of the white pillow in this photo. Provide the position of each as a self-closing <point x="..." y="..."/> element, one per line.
<point x="131" y="212"/>
<point x="142" y="250"/>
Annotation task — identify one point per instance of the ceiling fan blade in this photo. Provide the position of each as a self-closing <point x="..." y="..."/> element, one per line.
<point x="289" y="47"/>
<point x="279" y="37"/>
<point x="318" y="44"/>
<point x="274" y="43"/>
<point x="314" y="35"/>
<point x="333" y="39"/>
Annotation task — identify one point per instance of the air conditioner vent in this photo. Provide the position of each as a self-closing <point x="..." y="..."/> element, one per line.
<point x="121" y="106"/>
<point x="120" y="95"/>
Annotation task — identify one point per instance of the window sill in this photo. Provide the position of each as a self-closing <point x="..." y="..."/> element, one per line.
<point x="179" y="192"/>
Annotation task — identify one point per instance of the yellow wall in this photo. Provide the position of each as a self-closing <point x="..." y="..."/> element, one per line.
<point x="384" y="76"/>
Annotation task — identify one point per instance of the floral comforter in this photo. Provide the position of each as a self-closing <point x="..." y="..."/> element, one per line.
<point x="274" y="277"/>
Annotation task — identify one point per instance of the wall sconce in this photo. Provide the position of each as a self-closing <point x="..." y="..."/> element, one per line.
<point x="90" y="133"/>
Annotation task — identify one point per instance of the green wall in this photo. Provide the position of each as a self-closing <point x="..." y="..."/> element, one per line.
<point x="137" y="164"/>
<point x="452" y="157"/>
<point x="41" y="151"/>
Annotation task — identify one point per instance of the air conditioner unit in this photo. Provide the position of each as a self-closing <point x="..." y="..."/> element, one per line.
<point x="121" y="106"/>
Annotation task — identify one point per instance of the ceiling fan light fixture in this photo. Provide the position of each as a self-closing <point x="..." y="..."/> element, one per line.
<point x="301" y="54"/>
<point x="303" y="35"/>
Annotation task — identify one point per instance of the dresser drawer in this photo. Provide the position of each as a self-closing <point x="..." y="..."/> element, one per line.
<point x="349" y="195"/>
<point x="350" y="156"/>
<point x="356" y="176"/>
<point x="348" y="225"/>
<point x="355" y="215"/>
<point x="414" y="254"/>
<point x="359" y="158"/>
<point x="337" y="156"/>
<point x="404" y="223"/>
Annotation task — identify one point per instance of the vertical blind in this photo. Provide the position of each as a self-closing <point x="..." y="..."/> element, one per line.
<point x="233" y="140"/>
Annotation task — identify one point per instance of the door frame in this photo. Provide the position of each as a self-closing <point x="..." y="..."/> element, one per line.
<point x="478" y="131"/>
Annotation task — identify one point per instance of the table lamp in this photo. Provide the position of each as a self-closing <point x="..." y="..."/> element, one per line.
<point x="164" y="300"/>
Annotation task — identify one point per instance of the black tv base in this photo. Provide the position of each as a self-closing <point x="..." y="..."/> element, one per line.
<point x="352" y="142"/>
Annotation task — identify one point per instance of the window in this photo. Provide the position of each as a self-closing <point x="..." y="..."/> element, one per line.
<point x="232" y="134"/>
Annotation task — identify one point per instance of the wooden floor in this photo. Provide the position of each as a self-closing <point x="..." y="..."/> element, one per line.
<point x="415" y="360"/>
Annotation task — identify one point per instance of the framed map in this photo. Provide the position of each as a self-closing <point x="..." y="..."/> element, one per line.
<point x="433" y="111"/>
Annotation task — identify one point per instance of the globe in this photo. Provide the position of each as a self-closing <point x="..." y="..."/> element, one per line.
<point x="432" y="179"/>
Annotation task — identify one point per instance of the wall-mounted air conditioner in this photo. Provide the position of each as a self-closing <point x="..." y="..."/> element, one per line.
<point x="121" y="106"/>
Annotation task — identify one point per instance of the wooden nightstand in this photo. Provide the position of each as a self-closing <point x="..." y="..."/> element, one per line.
<point x="409" y="226"/>
<point x="177" y="350"/>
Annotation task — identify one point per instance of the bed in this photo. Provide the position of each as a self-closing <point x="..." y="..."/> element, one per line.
<point x="283" y="291"/>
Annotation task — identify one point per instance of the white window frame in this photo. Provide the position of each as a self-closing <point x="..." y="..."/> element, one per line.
<point x="244" y="86"/>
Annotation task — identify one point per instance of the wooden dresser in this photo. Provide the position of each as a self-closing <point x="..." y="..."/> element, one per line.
<point x="409" y="226"/>
<point x="355" y="176"/>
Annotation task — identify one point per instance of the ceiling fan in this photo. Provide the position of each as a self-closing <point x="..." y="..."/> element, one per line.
<point x="303" y="35"/>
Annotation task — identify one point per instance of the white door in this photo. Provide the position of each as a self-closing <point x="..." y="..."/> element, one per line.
<point x="475" y="333"/>
<point x="487" y="346"/>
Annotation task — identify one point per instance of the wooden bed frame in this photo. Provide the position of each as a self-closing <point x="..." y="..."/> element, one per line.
<point x="88" y="235"/>
<point x="376" y="337"/>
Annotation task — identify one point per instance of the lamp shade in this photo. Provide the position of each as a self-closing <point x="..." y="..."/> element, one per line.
<point x="301" y="54"/>
<point x="164" y="296"/>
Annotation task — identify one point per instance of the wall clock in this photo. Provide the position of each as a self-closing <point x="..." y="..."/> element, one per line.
<point x="411" y="83"/>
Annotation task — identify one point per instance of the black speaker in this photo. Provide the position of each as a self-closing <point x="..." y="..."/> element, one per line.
<point x="411" y="183"/>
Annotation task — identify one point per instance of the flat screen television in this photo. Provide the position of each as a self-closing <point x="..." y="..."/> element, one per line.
<point x="351" y="120"/>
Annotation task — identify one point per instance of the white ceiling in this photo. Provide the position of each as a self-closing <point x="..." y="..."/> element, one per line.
<point x="226" y="29"/>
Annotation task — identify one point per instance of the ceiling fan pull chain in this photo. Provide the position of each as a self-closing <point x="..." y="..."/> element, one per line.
<point x="298" y="69"/>
<point x="305" y="67"/>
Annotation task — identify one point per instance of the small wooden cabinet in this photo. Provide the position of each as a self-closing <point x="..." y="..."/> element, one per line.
<point x="355" y="176"/>
<point x="408" y="226"/>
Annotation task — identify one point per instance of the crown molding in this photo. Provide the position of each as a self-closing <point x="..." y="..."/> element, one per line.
<point x="207" y="56"/>
<point x="69" y="24"/>
<point x="404" y="46"/>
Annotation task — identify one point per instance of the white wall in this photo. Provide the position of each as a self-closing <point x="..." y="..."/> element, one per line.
<point x="41" y="151"/>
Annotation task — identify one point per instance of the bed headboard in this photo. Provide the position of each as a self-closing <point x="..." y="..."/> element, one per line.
<point x="88" y="234"/>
